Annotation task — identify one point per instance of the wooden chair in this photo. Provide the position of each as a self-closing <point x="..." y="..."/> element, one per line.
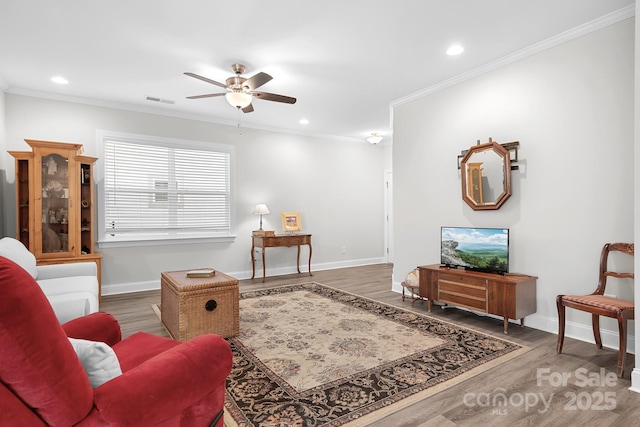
<point x="598" y="304"/>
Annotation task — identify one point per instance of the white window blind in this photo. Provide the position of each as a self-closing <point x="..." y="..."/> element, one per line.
<point x="158" y="189"/>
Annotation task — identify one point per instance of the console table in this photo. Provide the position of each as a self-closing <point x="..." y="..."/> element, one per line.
<point x="511" y="296"/>
<point x="281" y="240"/>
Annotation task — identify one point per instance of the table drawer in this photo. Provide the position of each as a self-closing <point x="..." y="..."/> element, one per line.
<point x="462" y="278"/>
<point x="287" y="241"/>
<point x="472" y="295"/>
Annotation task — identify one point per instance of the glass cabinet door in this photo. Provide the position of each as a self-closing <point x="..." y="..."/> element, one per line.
<point x="55" y="204"/>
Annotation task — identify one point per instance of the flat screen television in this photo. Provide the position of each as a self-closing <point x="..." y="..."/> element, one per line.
<point x="473" y="248"/>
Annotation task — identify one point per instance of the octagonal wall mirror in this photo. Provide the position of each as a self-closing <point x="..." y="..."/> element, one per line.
<point x="486" y="176"/>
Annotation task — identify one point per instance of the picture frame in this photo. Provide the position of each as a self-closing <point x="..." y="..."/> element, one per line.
<point x="291" y="221"/>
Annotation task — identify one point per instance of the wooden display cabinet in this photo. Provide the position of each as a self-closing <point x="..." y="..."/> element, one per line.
<point x="510" y="296"/>
<point x="54" y="203"/>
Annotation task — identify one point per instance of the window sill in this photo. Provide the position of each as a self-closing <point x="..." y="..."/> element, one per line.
<point x="160" y="241"/>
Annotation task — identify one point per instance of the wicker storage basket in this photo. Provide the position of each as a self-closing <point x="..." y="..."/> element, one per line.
<point x="194" y="306"/>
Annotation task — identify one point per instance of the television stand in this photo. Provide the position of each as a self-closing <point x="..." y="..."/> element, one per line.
<point x="510" y="296"/>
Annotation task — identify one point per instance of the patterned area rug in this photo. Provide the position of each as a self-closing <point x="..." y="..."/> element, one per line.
<point x="311" y="355"/>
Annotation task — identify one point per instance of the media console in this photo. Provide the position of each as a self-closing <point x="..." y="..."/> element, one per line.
<point x="511" y="296"/>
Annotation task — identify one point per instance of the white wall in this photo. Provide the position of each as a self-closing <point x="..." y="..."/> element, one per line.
<point x="337" y="187"/>
<point x="571" y="108"/>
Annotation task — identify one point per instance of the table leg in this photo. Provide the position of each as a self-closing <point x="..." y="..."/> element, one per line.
<point x="264" y="266"/>
<point x="310" y="259"/>
<point x="506" y="324"/>
<point x="298" y="260"/>
<point x="253" y="261"/>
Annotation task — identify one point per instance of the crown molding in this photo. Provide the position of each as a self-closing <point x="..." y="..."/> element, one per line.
<point x="175" y="114"/>
<point x="579" y="31"/>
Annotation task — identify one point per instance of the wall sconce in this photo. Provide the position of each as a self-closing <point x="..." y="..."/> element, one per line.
<point x="261" y="209"/>
<point x="374" y="139"/>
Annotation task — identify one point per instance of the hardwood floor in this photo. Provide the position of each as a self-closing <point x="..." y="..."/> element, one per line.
<point x="536" y="393"/>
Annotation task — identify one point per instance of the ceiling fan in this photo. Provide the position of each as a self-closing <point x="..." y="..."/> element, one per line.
<point x="240" y="90"/>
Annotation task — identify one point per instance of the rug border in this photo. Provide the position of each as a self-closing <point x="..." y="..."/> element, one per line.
<point x="380" y="414"/>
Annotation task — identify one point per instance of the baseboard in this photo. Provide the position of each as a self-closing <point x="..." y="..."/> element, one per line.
<point x="635" y="380"/>
<point x="126" y="288"/>
<point x="609" y="338"/>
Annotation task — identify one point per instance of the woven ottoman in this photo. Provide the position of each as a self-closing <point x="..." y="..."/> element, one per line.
<point x="192" y="306"/>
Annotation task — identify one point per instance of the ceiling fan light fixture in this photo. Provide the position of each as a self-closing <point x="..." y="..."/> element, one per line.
<point x="374" y="139"/>
<point x="240" y="90"/>
<point x="238" y="99"/>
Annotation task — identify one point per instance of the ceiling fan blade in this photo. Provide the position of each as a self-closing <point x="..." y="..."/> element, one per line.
<point x="273" y="97"/>
<point x="210" y="95"/>
<point x="204" y="79"/>
<point x="257" y="80"/>
<point x="248" y="109"/>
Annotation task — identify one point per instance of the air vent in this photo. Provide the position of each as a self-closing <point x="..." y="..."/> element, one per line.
<point x="164" y="101"/>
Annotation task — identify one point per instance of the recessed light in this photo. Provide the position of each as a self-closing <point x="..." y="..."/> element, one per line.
<point x="304" y="122"/>
<point x="59" y="80"/>
<point x="455" y="50"/>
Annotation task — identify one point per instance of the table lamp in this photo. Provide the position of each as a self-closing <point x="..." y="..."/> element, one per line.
<point x="261" y="209"/>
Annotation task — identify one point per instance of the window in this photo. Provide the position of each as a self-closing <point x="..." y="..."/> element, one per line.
<point x="162" y="189"/>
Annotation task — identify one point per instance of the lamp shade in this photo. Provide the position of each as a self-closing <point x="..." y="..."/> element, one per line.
<point x="261" y="209"/>
<point x="238" y="99"/>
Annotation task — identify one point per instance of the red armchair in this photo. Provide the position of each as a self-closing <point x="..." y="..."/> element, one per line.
<point x="42" y="382"/>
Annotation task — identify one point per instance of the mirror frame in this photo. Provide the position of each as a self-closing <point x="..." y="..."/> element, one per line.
<point x="506" y="169"/>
